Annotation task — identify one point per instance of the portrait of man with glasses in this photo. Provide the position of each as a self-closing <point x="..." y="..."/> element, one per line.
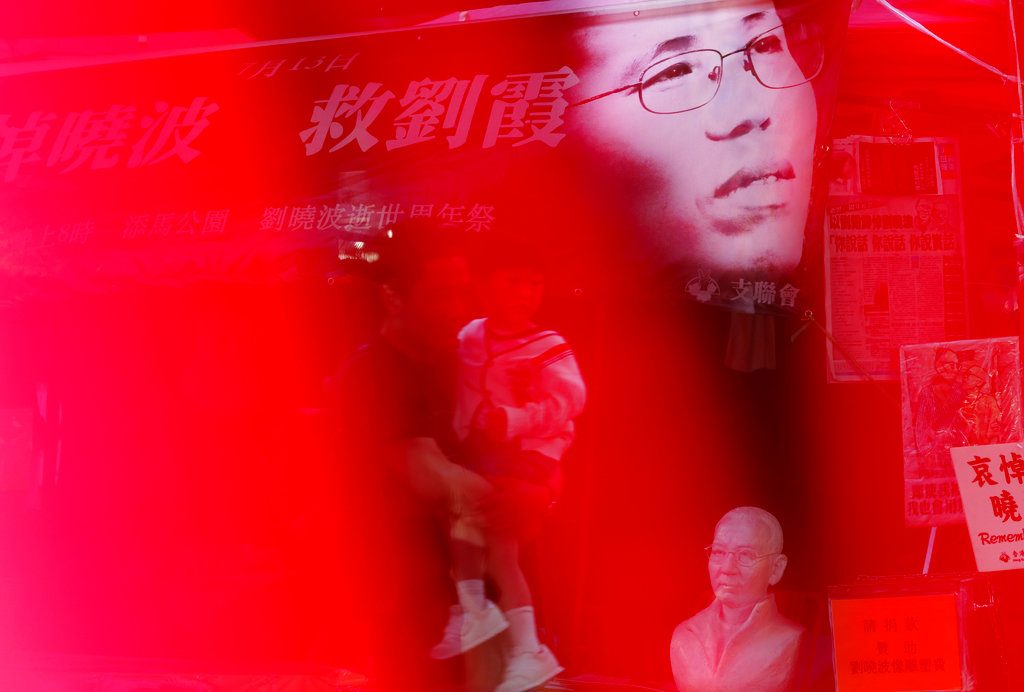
<point x="740" y="641"/>
<point x="708" y="116"/>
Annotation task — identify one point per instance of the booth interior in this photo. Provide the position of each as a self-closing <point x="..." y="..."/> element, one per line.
<point x="790" y="284"/>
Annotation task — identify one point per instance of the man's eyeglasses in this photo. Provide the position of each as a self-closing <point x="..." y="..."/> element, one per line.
<point x="789" y="55"/>
<point x="744" y="558"/>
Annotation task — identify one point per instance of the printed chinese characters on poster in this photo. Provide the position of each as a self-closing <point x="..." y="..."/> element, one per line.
<point x="954" y="394"/>
<point x="894" y="253"/>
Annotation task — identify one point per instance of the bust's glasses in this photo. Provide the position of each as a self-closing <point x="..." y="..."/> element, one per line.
<point x="744" y="558"/>
<point x="786" y="56"/>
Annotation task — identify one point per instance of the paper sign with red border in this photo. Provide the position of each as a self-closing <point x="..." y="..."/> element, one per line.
<point x="908" y="643"/>
<point x="991" y="480"/>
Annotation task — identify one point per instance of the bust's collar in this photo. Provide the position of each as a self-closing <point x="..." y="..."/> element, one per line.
<point x="765" y="609"/>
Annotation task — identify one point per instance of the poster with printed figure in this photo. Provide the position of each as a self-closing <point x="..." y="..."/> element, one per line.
<point x="954" y="394"/>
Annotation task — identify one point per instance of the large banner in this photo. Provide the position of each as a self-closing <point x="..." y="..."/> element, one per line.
<point x="680" y="138"/>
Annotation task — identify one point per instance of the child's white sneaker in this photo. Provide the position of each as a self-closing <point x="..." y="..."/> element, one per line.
<point x="527" y="671"/>
<point x="469" y="628"/>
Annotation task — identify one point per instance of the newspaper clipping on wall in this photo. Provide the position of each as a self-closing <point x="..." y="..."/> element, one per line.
<point x="894" y="253"/>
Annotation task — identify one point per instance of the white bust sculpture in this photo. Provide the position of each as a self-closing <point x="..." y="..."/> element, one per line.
<point x="740" y="641"/>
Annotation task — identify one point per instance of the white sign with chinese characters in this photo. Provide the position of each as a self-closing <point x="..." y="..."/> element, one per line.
<point x="991" y="479"/>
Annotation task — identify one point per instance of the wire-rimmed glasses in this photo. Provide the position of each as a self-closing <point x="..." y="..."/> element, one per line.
<point x="782" y="57"/>
<point x="745" y="557"/>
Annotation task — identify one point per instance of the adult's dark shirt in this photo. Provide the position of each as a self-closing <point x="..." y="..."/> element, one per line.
<point x="397" y="537"/>
<point x="388" y="395"/>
